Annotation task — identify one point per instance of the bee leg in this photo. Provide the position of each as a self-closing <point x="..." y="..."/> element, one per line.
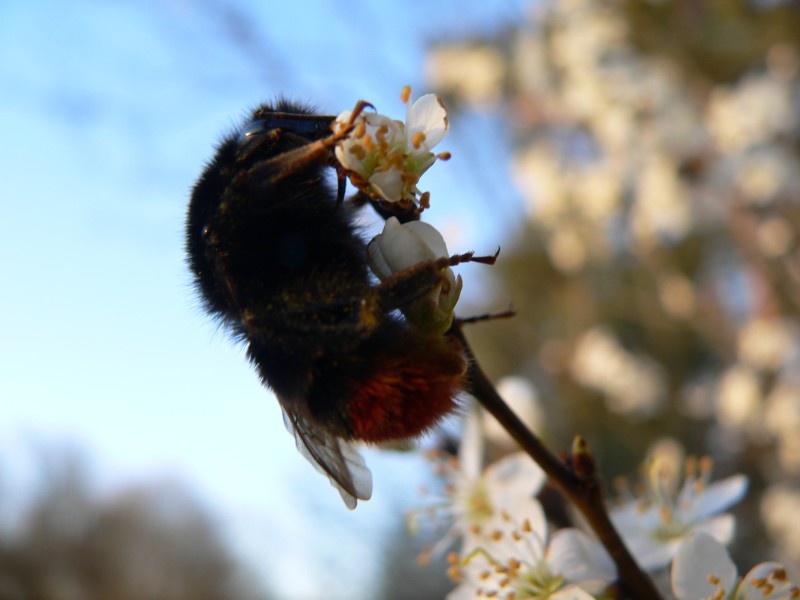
<point x="506" y="314"/>
<point x="417" y="280"/>
<point x="274" y="170"/>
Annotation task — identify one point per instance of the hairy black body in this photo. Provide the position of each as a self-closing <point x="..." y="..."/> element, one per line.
<point x="276" y="257"/>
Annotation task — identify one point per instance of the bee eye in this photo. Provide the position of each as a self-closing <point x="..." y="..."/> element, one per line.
<point x="251" y="129"/>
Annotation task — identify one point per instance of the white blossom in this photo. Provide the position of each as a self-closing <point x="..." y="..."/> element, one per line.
<point x="702" y="569"/>
<point x="401" y="246"/>
<point x="473" y="496"/>
<point x="516" y="561"/>
<point x="654" y="525"/>
<point x="385" y="158"/>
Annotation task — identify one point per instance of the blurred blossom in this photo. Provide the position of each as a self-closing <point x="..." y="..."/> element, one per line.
<point x="739" y="397"/>
<point x="567" y="249"/>
<point x="597" y="192"/>
<point x="782" y="420"/>
<point x="662" y="210"/>
<point x="473" y="73"/>
<point x="473" y="496"/>
<point x="538" y="175"/>
<point x="762" y="174"/>
<point x="522" y="397"/>
<point x="780" y="506"/>
<point x="767" y="343"/>
<point x="703" y="569"/>
<point x="517" y="561"/>
<point x="654" y="524"/>
<point x="754" y="110"/>
<point x="635" y="157"/>
<point x="775" y="237"/>
<point x="633" y="385"/>
<point x="666" y="458"/>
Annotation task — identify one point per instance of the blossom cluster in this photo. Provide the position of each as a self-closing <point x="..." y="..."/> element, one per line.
<point x="508" y="549"/>
<point x="385" y="159"/>
<point x="659" y="267"/>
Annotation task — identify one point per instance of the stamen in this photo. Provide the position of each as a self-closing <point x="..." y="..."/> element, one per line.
<point x="369" y="143"/>
<point x="405" y="94"/>
<point x="358" y="151"/>
<point x="526" y="526"/>
<point x="360" y="130"/>
<point x="417" y="139"/>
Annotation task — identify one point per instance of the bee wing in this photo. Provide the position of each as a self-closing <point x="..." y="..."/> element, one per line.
<point x="332" y="456"/>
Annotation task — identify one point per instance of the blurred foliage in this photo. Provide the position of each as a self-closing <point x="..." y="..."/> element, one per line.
<point x="155" y="542"/>
<point x="716" y="40"/>
<point x="656" y="275"/>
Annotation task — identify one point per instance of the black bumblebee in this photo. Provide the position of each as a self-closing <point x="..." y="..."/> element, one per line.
<point x="277" y="259"/>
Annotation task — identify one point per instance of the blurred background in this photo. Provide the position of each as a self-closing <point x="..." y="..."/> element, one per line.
<point x="637" y="161"/>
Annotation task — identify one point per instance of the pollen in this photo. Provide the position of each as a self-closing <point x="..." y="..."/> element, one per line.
<point x="454" y="573"/>
<point x="405" y="94"/>
<point x="358" y="151"/>
<point x="369" y="143"/>
<point x="417" y="139"/>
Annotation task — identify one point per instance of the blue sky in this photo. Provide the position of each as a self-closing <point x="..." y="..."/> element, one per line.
<point x="108" y="111"/>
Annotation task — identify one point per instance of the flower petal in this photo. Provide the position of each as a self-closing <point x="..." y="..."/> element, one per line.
<point x="428" y="116"/>
<point x="470" y="454"/>
<point x="579" y="558"/>
<point x="721" y="528"/>
<point x="515" y="475"/>
<point x="718" y="496"/>
<point x="571" y="592"/>
<point x="698" y="557"/>
<point x="388" y="184"/>
<point x="430" y="235"/>
<point x="766" y="581"/>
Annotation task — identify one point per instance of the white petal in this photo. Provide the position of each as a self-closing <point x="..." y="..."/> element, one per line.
<point x="571" y="592"/>
<point x="649" y="553"/>
<point x="752" y="585"/>
<point x="470" y="454"/>
<point x="526" y="518"/>
<point x="699" y="556"/>
<point x="578" y="558"/>
<point x="465" y="591"/>
<point x="515" y="475"/>
<point x="721" y="528"/>
<point x="388" y="184"/>
<point x="430" y="235"/>
<point x="349" y="160"/>
<point x="718" y="496"/>
<point x="429" y="116"/>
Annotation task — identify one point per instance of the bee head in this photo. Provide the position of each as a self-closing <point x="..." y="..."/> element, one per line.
<point x="289" y="117"/>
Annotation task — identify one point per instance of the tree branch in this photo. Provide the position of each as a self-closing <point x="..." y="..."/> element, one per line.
<point x="578" y="481"/>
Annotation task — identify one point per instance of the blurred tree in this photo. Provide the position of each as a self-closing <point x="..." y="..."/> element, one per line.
<point x="155" y="542"/>
<point x="656" y="144"/>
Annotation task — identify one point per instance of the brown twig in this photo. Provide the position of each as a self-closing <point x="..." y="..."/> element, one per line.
<point x="579" y="481"/>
